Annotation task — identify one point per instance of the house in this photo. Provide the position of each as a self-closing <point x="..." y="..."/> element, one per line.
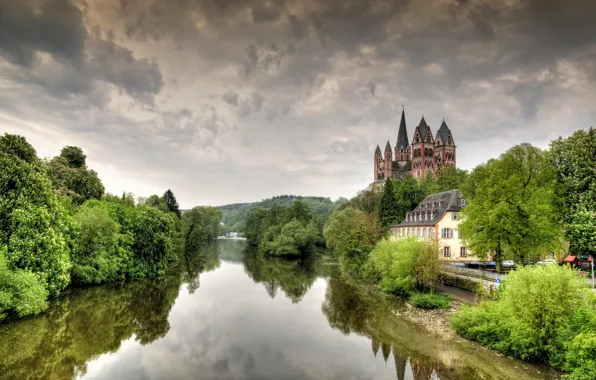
<point x="437" y="217"/>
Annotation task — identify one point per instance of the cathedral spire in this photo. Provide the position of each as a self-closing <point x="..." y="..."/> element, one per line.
<point x="402" y="134"/>
<point x="388" y="147"/>
<point x="378" y="151"/>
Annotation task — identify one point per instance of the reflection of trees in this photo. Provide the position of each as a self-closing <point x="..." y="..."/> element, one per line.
<point x="293" y="277"/>
<point x="231" y="250"/>
<point x="417" y="354"/>
<point x="92" y="321"/>
<point x="86" y="323"/>
<point x="205" y="259"/>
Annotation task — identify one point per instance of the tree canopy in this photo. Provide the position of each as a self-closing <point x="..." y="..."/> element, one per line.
<point x="510" y="208"/>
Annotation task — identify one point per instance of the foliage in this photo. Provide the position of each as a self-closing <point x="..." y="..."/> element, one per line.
<point x="510" y="210"/>
<point x="199" y="226"/>
<point x="351" y="234"/>
<point x="35" y="230"/>
<point x="282" y="231"/>
<point x="152" y="242"/>
<point x="102" y="253"/>
<point x="534" y="316"/>
<point x="235" y="216"/>
<point x="573" y="161"/>
<point x="430" y="301"/>
<point x="447" y="178"/>
<point x="409" y="192"/>
<point x="75" y="158"/>
<point x="367" y="201"/>
<point x="406" y="264"/>
<point x="388" y="207"/>
<point x="171" y="202"/>
<point x="581" y="232"/>
<point x="157" y="202"/>
<point x="21" y="293"/>
<point x="70" y="176"/>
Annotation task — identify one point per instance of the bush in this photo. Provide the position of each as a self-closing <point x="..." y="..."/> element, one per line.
<point x="35" y="229"/>
<point x="98" y="255"/>
<point x="536" y="315"/>
<point x="21" y="293"/>
<point x="430" y="301"/>
<point x="406" y="264"/>
<point x="351" y="234"/>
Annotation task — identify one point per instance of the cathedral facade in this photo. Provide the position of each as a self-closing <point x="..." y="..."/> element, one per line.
<point x="423" y="156"/>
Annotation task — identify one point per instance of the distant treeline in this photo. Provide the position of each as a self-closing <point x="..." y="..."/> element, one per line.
<point x="58" y="227"/>
<point x="234" y="216"/>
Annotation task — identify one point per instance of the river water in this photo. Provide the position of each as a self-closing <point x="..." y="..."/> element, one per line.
<point x="224" y="314"/>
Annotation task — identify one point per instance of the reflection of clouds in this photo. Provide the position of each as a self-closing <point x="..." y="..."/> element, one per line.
<point x="231" y="329"/>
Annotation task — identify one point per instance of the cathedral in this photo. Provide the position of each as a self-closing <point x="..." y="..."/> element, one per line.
<point x="423" y="156"/>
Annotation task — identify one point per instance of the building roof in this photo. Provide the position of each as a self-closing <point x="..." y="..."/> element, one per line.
<point x="402" y="134"/>
<point x="406" y="167"/>
<point x="378" y="151"/>
<point x="444" y="132"/>
<point x="422" y="129"/>
<point x="388" y="146"/>
<point x="435" y="205"/>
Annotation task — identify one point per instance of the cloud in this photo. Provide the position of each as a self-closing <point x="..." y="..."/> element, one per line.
<point x="290" y="96"/>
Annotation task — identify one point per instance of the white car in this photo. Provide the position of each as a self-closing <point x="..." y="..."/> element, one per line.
<point x="508" y="264"/>
<point x="547" y="262"/>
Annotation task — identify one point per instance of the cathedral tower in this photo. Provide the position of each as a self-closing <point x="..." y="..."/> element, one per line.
<point x="388" y="160"/>
<point x="378" y="160"/>
<point x="403" y="152"/>
<point x="423" y="146"/>
<point x="444" y="147"/>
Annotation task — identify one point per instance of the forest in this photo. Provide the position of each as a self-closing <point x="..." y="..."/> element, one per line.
<point x="59" y="229"/>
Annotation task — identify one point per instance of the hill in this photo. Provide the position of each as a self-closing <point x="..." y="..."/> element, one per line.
<point x="234" y="215"/>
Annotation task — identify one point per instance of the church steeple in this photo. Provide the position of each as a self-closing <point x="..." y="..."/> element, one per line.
<point x="402" y="135"/>
<point x="378" y="151"/>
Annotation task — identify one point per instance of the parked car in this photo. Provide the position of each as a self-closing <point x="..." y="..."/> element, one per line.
<point x="462" y="265"/>
<point x="547" y="262"/>
<point x="509" y="264"/>
<point x="490" y="265"/>
<point x="474" y="264"/>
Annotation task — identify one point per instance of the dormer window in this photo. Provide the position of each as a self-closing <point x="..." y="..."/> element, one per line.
<point x="454" y="216"/>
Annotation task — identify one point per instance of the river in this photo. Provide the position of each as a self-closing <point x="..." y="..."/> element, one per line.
<point x="224" y="314"/>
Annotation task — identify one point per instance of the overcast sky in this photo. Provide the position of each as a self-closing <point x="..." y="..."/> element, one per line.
<point x="232" y="100"/>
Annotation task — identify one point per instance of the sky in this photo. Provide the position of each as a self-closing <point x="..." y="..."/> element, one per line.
<point x="227" y="101"/>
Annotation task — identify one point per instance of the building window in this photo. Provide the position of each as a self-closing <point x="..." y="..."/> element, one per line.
<point x="424" y="232"/>
<point x="463" y="252"/>
<point x="418" y="232"/>
<point x="431" y="232"/>
<point x="454" y="216"/>
<point x="408" y="232"/>
<point x="446" y="233"/>
<point x="447" y="251"/>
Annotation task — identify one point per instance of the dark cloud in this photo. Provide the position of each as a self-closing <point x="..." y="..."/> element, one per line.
<point x="293" y="95"/>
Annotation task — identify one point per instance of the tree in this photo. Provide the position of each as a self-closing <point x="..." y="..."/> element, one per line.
<point x="388" y="207"/>
<point x="581" y="232"/>
<point x="70" y="176"/>
<point x="574" y="165"/>
<point x="409" y="192"/>
<point x="171" y="202"/>
<point x="74" y="156"/>
<point x="510" y="211"/>
<point x="351" y="234"/>
<point x="157" y="202"/>
<point x="35" y="230"/>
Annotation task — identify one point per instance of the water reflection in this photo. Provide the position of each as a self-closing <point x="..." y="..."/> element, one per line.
<point x="293" y="277"/>
<point x="226" y="326"/>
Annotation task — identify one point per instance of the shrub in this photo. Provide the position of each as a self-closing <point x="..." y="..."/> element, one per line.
<point x="535" y="315"/>
<point x="21" y="293"/>
<point x="351" y="234"/>
<point x="406" y="264"/>
<point x="430" y="301"/>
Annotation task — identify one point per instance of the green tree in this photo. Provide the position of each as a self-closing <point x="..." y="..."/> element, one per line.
<point x="573" y="161"/>
<point x="199" y="226"/>
<point x="171" y="202"/>
<point x="510" y="211"/>
<point x="581" y="232"/>
<point x="409" y="192"/>
<point x="74" y="156"/>
<point x="388" y="207"/>
<point x="351" y="234"/>
<point x="35" y="230"/>
<point x="157" y="202"/>
<point x="72" y="178"/>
